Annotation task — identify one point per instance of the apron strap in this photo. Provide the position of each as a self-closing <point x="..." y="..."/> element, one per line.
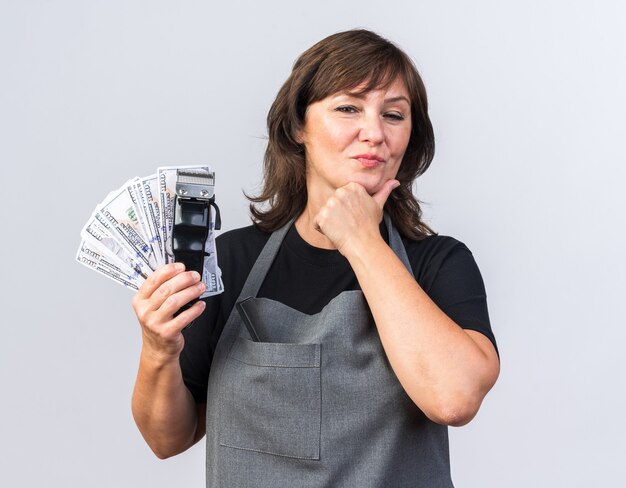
<point x="262" y="265"/>
<point x="395" y="243"/>
<point x="231" y="328"/>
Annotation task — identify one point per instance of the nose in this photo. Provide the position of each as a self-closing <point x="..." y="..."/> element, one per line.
<point x="372" y="129"/>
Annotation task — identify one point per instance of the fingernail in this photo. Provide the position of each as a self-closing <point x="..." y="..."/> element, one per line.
<point x="201" y="286"/>
<point x="179" y="266"/>
<point x="196" y="275"/>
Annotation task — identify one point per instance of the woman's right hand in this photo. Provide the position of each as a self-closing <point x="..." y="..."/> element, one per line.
<point x="158" y="299"/>
<point x="163" y="407"/>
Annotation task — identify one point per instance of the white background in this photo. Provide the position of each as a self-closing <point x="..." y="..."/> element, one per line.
<point x="528" y="103"/>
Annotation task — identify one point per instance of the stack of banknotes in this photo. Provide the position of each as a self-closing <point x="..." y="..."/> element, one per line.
<point x="129" y="234"/>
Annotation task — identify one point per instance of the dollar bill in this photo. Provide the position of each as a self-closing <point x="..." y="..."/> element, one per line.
<point x="123" y="217"/>
<point x="167" y="195"/>
<point x="99" y="230"/>
<point x="90" y="257"/>
<point x="149" y="198"/>
<point x="211" y="273"/>
<point x="146" y="222"/>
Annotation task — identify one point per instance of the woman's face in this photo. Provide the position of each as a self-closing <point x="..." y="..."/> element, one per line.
<point x="350" y="137"/>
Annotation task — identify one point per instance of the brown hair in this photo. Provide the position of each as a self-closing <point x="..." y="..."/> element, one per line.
<point x="342" y="61"/>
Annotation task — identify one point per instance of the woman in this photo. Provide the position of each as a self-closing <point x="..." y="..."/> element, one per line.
<point x="373" y="333"/>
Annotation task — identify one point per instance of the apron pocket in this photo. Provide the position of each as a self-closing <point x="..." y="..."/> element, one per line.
<point x="270" y="399"/>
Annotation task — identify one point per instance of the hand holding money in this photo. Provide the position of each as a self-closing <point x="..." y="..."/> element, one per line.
<point x="129" y="235"/>
<point x="156" y="302"/>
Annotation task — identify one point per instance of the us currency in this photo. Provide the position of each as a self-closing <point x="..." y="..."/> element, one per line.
<point x="211" y="273"/>
<point x="146" y="222"/>
<point x="92" y="258"/>
<point x="167" y="176"/>
<point x="137" y="214"/>
<point x="129" y="234"/>
<point x="122" y="215"/>
<point x="167" y="194"/>
<point x="97" y="239"/>
<point x="100" y="230"/>
<point x="149" y="199"/>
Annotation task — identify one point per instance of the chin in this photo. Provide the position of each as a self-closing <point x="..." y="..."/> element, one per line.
<point x="370" y="186"/>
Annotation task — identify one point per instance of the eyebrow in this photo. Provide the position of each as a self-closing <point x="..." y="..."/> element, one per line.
<point x="397" y="99"/>
<point x="361" y="96"/>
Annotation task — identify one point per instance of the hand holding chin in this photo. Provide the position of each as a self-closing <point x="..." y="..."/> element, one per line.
<point x="351" y="216"/>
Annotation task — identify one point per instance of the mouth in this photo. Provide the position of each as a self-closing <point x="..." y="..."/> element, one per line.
<point x="369" y="160"/>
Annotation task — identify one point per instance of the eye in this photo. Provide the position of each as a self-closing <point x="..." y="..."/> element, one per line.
<point x="395" y="116"/>
<point x="346" y="109"/>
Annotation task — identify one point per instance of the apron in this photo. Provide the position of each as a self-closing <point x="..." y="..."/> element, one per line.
<point x="319" y="405"/>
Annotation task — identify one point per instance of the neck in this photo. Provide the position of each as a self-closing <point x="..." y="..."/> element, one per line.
<point x="306" y="228"/>
<point x="305" y="223"/>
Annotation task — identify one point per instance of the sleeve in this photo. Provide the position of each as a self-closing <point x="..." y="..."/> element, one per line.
<point x="456" y="286"/>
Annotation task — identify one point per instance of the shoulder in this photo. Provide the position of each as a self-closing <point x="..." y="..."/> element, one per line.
<point x="437" y="254"/>
<point x="433" y="245"/>
<point x="244" y="240"/>
<point x="237" y="251"/>
<point x="239" y="247"/>
<point x="433" y="250"/>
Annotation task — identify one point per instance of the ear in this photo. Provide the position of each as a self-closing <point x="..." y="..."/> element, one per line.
<point x="299" y="135"/>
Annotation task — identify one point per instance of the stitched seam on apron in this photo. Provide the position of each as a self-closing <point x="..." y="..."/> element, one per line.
<point x="269" y="452"/>
<point x="271" y="365"/>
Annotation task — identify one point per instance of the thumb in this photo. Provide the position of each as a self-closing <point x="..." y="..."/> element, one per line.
<point x="381" y="195"/>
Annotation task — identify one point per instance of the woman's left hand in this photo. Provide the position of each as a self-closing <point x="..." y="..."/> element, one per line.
<point x="351" y="216"/>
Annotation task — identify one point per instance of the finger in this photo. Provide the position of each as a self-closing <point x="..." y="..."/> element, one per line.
<point x="174" y="302"/>
<point x="382" y="195"/>
<point x="159" y="277"/>
<point x="172" y="286"/>
<point x="183" y="319"/>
